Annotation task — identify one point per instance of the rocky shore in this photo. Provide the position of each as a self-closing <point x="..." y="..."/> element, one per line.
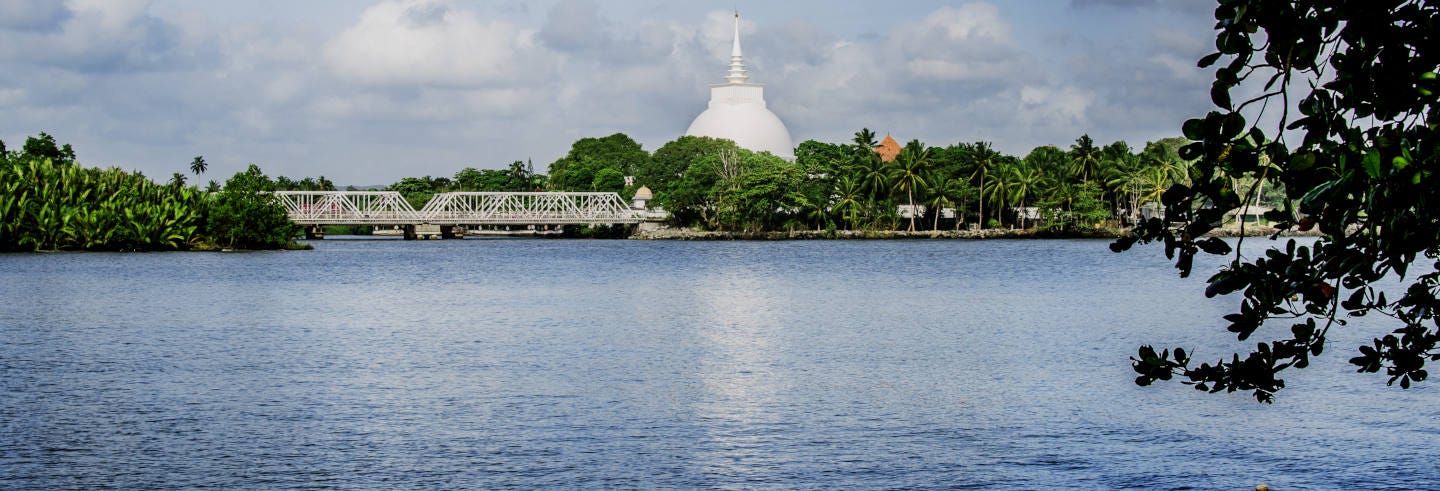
<point x="993" y="233"/>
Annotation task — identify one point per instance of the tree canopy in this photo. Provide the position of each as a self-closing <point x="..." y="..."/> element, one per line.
<point x="1345" y="118"/>
<point x="578" y="169"/>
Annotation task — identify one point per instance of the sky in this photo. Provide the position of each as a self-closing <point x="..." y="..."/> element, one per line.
<point x="368" y="92"/>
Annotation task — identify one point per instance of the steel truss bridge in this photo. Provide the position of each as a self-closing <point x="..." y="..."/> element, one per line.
<point x="447" y="213"/>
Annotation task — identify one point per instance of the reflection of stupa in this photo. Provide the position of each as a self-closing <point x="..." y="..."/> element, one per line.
<point x="737" y="112"/>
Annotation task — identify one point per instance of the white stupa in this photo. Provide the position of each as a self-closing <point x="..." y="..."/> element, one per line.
<point x="737" y="112"/>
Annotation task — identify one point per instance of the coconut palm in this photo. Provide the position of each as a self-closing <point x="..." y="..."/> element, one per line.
<point x="864" y="141"/>
<point x="908" y="172"/>
<point x="1084" y="158"/>
<point x="874" y="177"/>
<point x="177" y="179"/>
<point x="943" y="193"/>
<point x="985" y="160"/>
<point x="1025" y="183"/>
<point x="848" y="195"/>
<point x="198" y="166"/>
<point x="1001" y="179"/>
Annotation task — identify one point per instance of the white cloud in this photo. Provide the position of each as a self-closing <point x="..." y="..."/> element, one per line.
<point x="32" y="15"/>
<point x="430" y="42"/>
<point x="413" y="87"/>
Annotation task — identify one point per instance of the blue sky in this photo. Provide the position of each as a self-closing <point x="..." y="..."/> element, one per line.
<point x="366" y="92"/>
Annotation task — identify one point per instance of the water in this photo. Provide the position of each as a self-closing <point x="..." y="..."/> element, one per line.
<point x="569" y="363"/>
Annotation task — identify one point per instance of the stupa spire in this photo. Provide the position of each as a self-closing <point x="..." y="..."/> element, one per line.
<point x="737" y="74"/>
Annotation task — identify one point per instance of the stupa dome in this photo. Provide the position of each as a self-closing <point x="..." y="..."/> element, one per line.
<point x="737" y="112"/>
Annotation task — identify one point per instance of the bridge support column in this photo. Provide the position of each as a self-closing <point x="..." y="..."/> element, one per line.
<point x="314" y="232"/>
<point x="452" y="231"/>
<point x="422" y="231"/>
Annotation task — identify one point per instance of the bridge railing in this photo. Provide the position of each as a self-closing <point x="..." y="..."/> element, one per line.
<point x="348" y="207"/>
<point x="527" y="208"/>
<point x="461" y="208"/>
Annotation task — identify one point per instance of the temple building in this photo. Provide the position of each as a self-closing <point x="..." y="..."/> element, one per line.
<point x="737" y="112"/>
<point x="888" y="149"/>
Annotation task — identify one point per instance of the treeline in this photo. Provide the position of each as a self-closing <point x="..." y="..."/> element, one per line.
<point x="49" y="202"/>
<point x="858" y="185"/>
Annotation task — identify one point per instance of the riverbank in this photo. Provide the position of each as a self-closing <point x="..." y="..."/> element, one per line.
<point x="991" y="233"/>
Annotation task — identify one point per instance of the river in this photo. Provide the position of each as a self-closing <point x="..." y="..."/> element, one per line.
<point x="501" y="363"/>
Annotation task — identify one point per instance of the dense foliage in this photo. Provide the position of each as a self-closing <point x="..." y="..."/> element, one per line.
<point x="704" y="182"/>
<point x="49" y="202"/>
<point x="244" y="215"/>
<point x="713" y="184"/>
<point x="1345" y="117"/>
<point x="518" y="177"/>
<point x="45" y="205"/>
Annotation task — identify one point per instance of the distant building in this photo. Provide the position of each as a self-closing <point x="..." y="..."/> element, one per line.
<point x="642" y="198"/>
<point x="1248" y="214"/>
<point x="888" y="149"/>
<point x="737" y="112"/>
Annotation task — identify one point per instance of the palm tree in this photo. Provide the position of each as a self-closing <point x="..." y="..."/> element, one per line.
<point x="874" y="176"/>
<point x="1025" y="182"/>
<point x="177" y="179"/>
<point x="520" y="175"/>
<point x="1129" y="182"/>
<point x="198" y="166"/>
<point x="943" y="193"/>
<point x="1001" y="180"/>
<point x="865" y="141"/>
<point x="909" y="167"/>
<point x="1084" y="158"/>
<point x="984" y="162"/>
<point x="848" y="194"/>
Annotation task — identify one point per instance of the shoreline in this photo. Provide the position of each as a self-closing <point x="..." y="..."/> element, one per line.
<point x="993" y="233"/>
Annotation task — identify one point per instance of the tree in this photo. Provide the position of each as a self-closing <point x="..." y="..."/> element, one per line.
<point x="1084" y="158"/>
<point x="984" y="160"/>
<point x="664" y="170"/>
<point x="608" y="180"/>
<point x="43" y="146"/>
<point x="198" y="166"/>
<point x="177" y="179"/>
<point x="910" y="167"/>
<point x="848" y="196"/>
<point x="1025" y="183"/>
<point x="943" y="194"/>
<point x="1362" y="172"/>
<point x="764" y="194"/>
<point x="245" y="215"/>
<point x="1001" y="177"/>
<point x="577" y="169"/>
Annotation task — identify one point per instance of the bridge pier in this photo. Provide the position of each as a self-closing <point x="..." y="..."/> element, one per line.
<point x="452" y="231"/>
<point x="423" y="231"/>
<point x="315" y="232"/>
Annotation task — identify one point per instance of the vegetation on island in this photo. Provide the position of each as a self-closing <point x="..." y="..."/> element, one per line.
<point x="1337" y="102"/>
<point x="712" y="184"/>
<point x="50" y="202"/>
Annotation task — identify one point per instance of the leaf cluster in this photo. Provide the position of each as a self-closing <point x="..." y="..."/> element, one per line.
<point x="1362" y="173"/>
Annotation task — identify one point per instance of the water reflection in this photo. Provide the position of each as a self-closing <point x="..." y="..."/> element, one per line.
<point x="491" y="364"/>
<point x="737" y="369"/>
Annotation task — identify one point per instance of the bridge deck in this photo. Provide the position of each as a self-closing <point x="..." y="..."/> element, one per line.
<point x="463" y="208"/>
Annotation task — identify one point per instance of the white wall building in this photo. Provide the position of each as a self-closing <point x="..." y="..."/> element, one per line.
<point x="737" y="112"/>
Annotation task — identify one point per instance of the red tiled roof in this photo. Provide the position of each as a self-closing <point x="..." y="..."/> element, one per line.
<point x="888" y="149"/>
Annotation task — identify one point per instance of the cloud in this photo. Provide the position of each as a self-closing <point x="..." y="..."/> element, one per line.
<point x="432" y="43"/>
<point x="32" y="15"/>
<point x="96" y="36"/>
<point x="414" y="87"/>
